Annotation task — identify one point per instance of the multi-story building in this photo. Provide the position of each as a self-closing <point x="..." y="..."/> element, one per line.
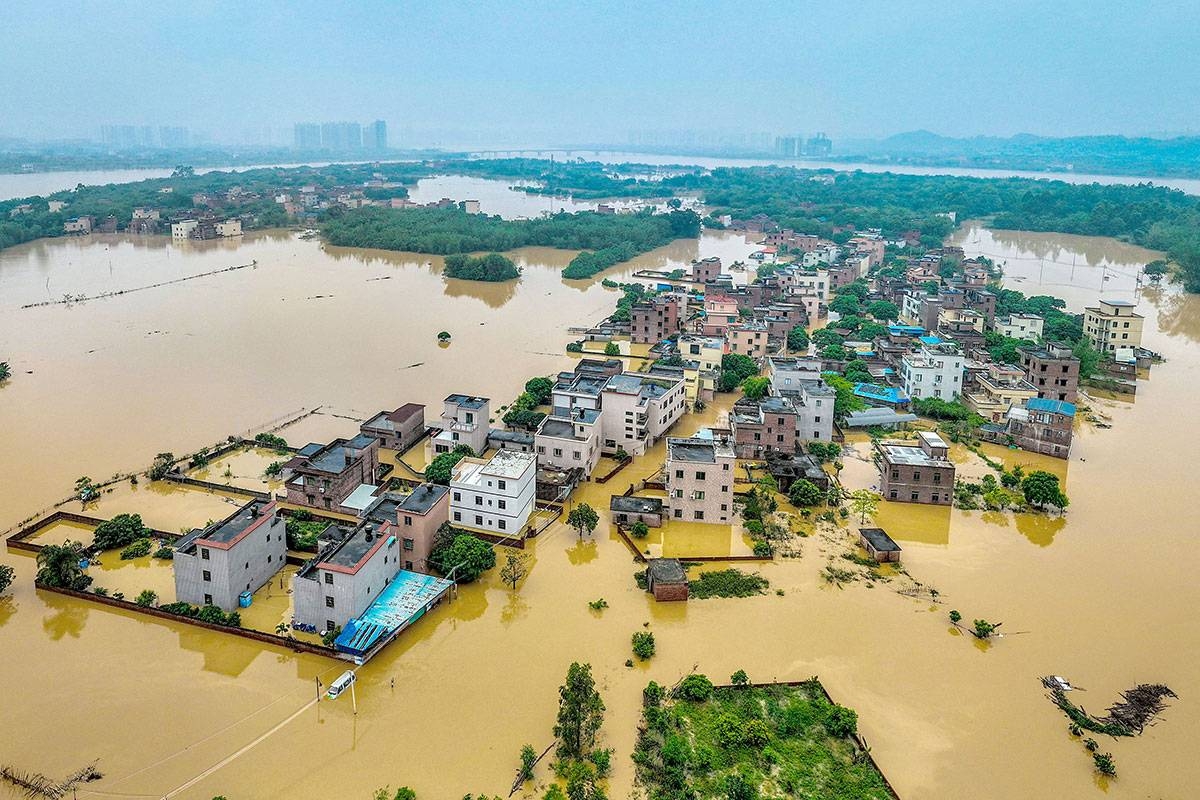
<point x="638" y="410"/>
<point x="935" y="371"/>
<point x="706" y="350"/>
<point x="1020" y="326"/>
<point x="579" y="389"/>
<point x="230" y="227"/>
<point x="916" y="473"/>
<point x="1112" y="324"/>
<point x="495" y="495"/>
<point x="1000" y="388"/>
<point x="415" y="518"/>
<point x="655" y="319"/>
<point x="323" y="476"/>
<point x="79" y="225"/>
<point x="570" y="440"/>
<point x="1042" y="426"/>
<point x="239" y="554"/>
<point x="700" y="480"/>
<point x="720" y="311"/>
<point x="399" y="429"/>
<point x="792" y="374"/>
<point x="1053" y="370"/>
<point x="464" y="420"/>
<point x="347" y="576"/>
<point x="748" y="339"/>
<point x="706" y="269"/>
<point x="782" y="423"/>
<point x="182" y="230"/>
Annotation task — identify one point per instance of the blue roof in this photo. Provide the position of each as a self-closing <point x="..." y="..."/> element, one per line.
<point x="911" y="330"/>
<point x="930" y="339"/>
<point x="1051" y="406"/>
<point x="401" y="603"/>
<point x="887" y="394"/>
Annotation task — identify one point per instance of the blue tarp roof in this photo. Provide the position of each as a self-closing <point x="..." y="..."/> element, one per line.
<point x="886" y="394"/>
<point x="402" y="602"/>
<point x="910" y="330"/>
<point x="1051" y="406"/>
<point x="930" y="339"/>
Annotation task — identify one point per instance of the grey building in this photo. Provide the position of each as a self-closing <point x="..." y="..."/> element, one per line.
<point x="346" y="577"/>
<point x="238" y="554"/>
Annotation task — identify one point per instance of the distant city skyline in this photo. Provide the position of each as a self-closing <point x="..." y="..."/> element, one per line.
<point x="463" y="75"/>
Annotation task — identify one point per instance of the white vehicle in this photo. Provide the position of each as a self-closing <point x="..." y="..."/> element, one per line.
<point x="343" y="682"/>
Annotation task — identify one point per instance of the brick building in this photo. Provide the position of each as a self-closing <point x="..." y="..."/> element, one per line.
<point x="916" y="473"/>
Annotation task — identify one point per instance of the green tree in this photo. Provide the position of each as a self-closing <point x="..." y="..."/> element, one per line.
<point x="1089" y="359"/>
<point x="1155" y="270"/>
<point x="467" y="557"/>
<point x="735" y="368"/>
<point x="797" y="339"/>
<point x="756" y="388"/>
<point x="695" y="687"/>
<point x="955" y="617"/>
<point x="5" y="371"/>
<point x="7" y="574"/>
<point x="147" y="598"/>
<point x="516" y="567"/>
<point x="639" y="530"/>
<point x="739" y="678"/>
<point x="737" y="787"/>
<point x="984" y="629"/>
<point x="529" y="758"/>
<point x="58" y="565"/>
<point x="85" y="489"/>
<point x="493" y="268"/>
<point x="1105" y="764"/>
<point x="441" y="468"/>
<point x="844" y="399"/>
<point x="845" y="304"/>
<point x="580" y="713"/>
<point x="583" y="518"/>
<point x="161" y="466"/>
<point x="611" y="349"/>
<point x="540" y="389"/>
<point x="883" y="310"/>
<point x="805" y="493"/>
<point x="841" y="721"/>
<point x="120" y="531"/>
<point x="443" y="336"/>
<point x="643" y="645"/>
<point x="864" y="503"/>
<point x="1041" y="489"/>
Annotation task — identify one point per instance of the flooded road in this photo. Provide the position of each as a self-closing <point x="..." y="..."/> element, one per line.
<point x="1104" y="595"/>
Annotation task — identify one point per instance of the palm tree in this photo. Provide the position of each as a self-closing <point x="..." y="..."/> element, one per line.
<point x="58" y="565"/>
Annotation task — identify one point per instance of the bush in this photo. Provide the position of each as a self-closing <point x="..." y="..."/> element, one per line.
<point x="695" y="687"/>
<point x="727" y="583"/>
<point x="574" y="347"/>
<point x="643" y="645"/>
<point x="598" y="605"/>
<point x="146" y="598"/>
<point x="841" y="721"/>
<point x="805" y="493"/>
<point x="602" y="761"/>
<point x="653" y="694"/>
<point x="739" y="678"/>
<point x="7" y="574"/>
<point x="441" y="468"/>
<point x="161" y="466"/>
<point x="762" y="548"/>
<point x="611" y="349"/>
<point x="120" y="531"/>
<point x="136" y="550"/>
<point x="639" y="530"/>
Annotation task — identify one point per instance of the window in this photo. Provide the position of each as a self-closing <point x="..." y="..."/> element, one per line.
<point x="409" y="544"/>
<point x="501" y="484"/>
<point x="699" y="476"/>
<point x="408" y="520"/>
<point x="699" y="514"/>
<point x="501" y="524"/>
<point x="725" y="467"/>
<point x="578" y="455"/>
<point x="892" y="494"/>
<point x="268" y="559"/>
<point x="207" y="575"/>
<point x="916" y="476"/>
<point x="502" y="504"/>
<point x="329" y="578"/>
<point x="937" y="477"/>
<point x="204" y="553"/>
<point x="541" y="449"/>
<point x="678" y="513"/>
<point x="208" y="599"/>
<point x="457" y="516"/>
<point x="934" y="498"/>
<point x="895" y="474"/>
<point x="329" y="626"/>
<point x="457" y="496"/>
<point x="558" y="452"/>
<point x="699" y="495"/>
<point x="915" y="497"/>
<point x="679" y="473"/>
<point x="478" y="499"/>
<point x="478" y="520"/>
<point x="329" y="601"/>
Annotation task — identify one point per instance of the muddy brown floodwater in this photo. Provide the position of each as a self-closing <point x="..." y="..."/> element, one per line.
<point x="1105" y="595"/>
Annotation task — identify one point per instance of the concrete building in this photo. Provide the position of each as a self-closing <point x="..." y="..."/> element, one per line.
<point x="323" y="476"/>
<point x="879" y="545"/>
<point x="1112" y="324"/>
<point x="79" y="225"/>
<point x="1053" y="370"/>
<point x="700" y="480"/>
<point x="399" y="429"/>
<point x="781" y="423"/>
<point x="639" y="409"/>
<point x="495" y="495"/>
<point x="1041" y="426"/>
<point x="748" y="339"/>
<point x="666" y="579"/>
<point x="464" y="420"/>
<point x="655" y="319"/>
<point x="229" y="228"/>
<point x="935" y="371"/>
<point x="627" y="509"/>
<point x="916" y="473"/>
<point x="706" y="269"/>
<point x="55" y="206"/>
<point x="789" y="374"/>
<point x="707" y="351"/>
<point x="182" y="230"/>
<point x="570" y="440"/>
<point x="581" y="389"/>
<point x="415" y="518"/>
<point x="346" y="576"/>
<point x="239" y="554"/>
<point x="720" y="311"/>
<point x="1020" y="326"/>
<point x="1000" y="388"/>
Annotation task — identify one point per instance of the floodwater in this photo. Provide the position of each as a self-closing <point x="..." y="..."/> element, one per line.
<point x="1105" y="595"/>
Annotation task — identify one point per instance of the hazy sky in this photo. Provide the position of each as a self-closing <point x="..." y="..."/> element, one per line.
<point x="563" y="72"/>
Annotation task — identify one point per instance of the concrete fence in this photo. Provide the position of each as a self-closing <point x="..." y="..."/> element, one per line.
<point x="18" y="540"/>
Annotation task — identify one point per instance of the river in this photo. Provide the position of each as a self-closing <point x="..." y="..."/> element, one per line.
<point x="1104" y="595"/>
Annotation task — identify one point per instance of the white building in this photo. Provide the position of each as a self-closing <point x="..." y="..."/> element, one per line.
<point x="182" y="230"/>
<point x="494" y="495"/>
<point x="1020" y="326"/>
<point x="638" y="409"/>
<point x="570" y="440"/>
<point x="464" y="420"/>
<point x="936" y="371"/>
<point x="230" y="227"/>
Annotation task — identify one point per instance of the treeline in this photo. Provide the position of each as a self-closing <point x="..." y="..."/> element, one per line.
<point x="492" y="267"/>
<point x="583" y="180"/>
<point x="445" y="231"/>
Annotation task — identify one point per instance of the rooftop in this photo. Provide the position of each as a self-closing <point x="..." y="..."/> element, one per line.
<point x="354" y="548"/>
<point x="231" y="529"/>
<point x="666" y="570"/>
<point x="401" y="602"/>
<point x="697" y="450"/>
<point x="388" y="420"/>
<point x="337" y="455"/>
<point x="466" y="401"/>
<point x="635" y="505"/>
<point x="563" y="427"/>
<point x="910" y="455"/>
<point x="879" y="540"/>
<point x="1050" y="406"/>
<point x="886" y="394"/>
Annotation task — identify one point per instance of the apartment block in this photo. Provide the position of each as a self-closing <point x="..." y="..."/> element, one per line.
<point x="1053" y="370"/>
<point x="213" y="566"/>
<point x="700" y="480"/>
<point x="1112" y="324"/>
<point x="570" y="440"/>
<point x="918" y="472"/>
<point x="495" y="495"/>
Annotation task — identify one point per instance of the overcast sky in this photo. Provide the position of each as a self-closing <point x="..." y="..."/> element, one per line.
<point x="566" y="72"/>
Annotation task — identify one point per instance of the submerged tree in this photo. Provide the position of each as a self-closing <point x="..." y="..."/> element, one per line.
<point x="583" y="518"/>
<point x="5" y="371"/>
<point x="864" y="503"/>
<point x="58" y="566"/>
<point x="516" y="567"/>
<point x="1041" y="489"/>
<point x="580" y="713"/>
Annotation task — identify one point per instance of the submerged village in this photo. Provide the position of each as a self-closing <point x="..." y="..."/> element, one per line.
<point x="714" y="421"/>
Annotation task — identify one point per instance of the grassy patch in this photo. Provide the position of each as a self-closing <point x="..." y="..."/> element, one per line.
<point x="786" y="741"/>
<point x="728" y="583"/>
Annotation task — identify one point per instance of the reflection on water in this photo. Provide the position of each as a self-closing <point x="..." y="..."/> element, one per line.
<point x="68" y="617"/>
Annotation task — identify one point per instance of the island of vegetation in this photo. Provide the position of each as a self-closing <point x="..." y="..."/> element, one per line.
<point x="493" y="268"/>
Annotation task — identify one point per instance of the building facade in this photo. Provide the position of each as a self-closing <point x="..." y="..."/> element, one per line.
<point x="699" y="475"/>
<point x="1112" y="324"/>
<point x="916" y="473"/>
<point x="495" y="495"/>
<point x="239" y="554"/>
<point x="464" y="420"/>
<point x="1053" y="370"/>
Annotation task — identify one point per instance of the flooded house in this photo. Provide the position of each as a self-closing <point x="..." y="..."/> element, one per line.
<point x="627" y="509"/>
<point x="344" y="579"/>
<point x="1112" y="324"/>
<point x="919" y="472"/>
<point x="217" y="564"/>
<point x="749" y="339"/>
<point x="569" y="440"/>
<point x="780" y="423"/>
<point x="1000" y="388"/>
<point x="666" y="579"/>
<point x="464" y="420"/>
<point x="699" y="481"/>
<point x="1053" y="369"/>
<point x="787" y="468"/>
<point x="414" y="517"/>
<point x="706" y="269"/>
<point x="397" y="430"/>
<point x="879" y="545"/>
<point x="1020" y="326"/>
<point x="935" y="371"/>
<point x="656" y="319"/>
<point x="1040" y="425"/>
<point x="494" y="495"/>
<point x="324" y="476"/>
<point x="638" y="410"/>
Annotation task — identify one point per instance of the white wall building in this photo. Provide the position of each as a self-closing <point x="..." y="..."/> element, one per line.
<point x="569" y="440"/>
<point x="936" y="371"/>
<point x="182" y="230"/>
<point x="464" y="420"/>
<point x="638" y="409"/>
<point x="1020" y="326"/>
<point x="494" y="495"/>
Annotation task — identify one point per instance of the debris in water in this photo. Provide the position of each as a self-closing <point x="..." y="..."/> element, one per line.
<point x="34" y="784"/>
<point x="1138" y="707"/>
